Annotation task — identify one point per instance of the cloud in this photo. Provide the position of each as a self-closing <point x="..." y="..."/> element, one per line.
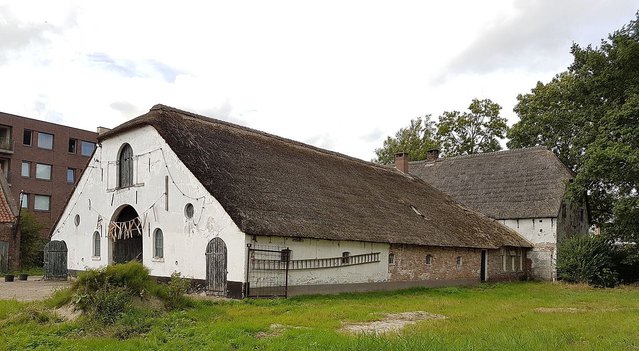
<point x="373" y="135"/>
<point x="15" y="35"/>
<point x="223" y="112"/>
<point x="126" y="108"/>
<point x="537" y="36"/>
<point x="134" y="69"/>
<point x="323" y="140"/>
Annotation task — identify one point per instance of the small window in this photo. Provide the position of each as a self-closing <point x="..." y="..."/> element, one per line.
<point x="76" y="220"/>
<point x="26" y="169"/>
<point x="125" y="166"/>
<point x="87" y="148"/>
<point x="158" y="243"/>
<point x="43" y="171"/>
<point x="96" y="244"/>
<point x="459" y="261"/>
<point x="72" y="145"/>
<point x="346" y="257"/>
<point x="70" y="175"/>
<point x="391" y="258"/>
<point x="429" y="259"/>
<point x="188" y="211"/>
<point x="42" y="203"/>
<point x="26" y="137"/>
<point x="24" y="201"/>
<point x="45" y="141"/>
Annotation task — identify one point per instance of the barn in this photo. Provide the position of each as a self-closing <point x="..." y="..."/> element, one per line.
<point x="246" y="213"/>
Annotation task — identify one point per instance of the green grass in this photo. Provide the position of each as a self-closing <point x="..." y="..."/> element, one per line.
<point x="485" y="317"/>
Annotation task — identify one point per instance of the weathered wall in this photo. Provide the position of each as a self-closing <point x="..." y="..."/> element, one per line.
<point x="6" y="235"/>
<point x="497" y="271"/>
<point x="572" y="220"/>
<point x="410" y="263"/>
<point x="542" y="232"/>
<point x="96" y="201"/>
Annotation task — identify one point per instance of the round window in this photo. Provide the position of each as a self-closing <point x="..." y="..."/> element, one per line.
<point x="188" y="210"/>
<point x="76" y="220"/>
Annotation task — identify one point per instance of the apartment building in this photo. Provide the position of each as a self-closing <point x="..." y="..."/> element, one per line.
<point x="43" y="161"/>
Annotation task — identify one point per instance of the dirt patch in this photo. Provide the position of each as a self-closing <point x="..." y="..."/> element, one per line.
<point x="560" y="310"/>
<point x="68" y="313"/>
<point x="391" y="323"/>
<point x="276" y="330"/>
<point x="30" y="290"/>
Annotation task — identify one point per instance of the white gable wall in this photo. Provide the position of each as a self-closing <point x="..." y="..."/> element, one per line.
<point x="185" y="240"/>
<point x="542" y="232"/>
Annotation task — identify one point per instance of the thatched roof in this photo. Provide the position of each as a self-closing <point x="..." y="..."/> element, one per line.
<point x="520" y="183"/>
<point x="278" y="187"/>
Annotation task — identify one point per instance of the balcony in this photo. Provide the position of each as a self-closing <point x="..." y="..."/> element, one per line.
<point x="6" y="145"/>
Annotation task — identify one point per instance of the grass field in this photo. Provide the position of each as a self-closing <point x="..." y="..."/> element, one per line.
<point x="513" y="316"/>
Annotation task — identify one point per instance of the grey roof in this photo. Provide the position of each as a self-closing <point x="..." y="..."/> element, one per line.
<point x="519" y="183"/>
<point x="278" y="187"/>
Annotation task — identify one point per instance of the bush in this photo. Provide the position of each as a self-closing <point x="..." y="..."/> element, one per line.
<point x="132" y="276"/>
<point x="174" y="291"/>
<point x="626" y="259"/>
<point x="587" y="259"/>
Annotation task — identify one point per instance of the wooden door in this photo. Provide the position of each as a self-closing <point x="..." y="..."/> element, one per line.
<point x="55" y="260"/>
<point x="216" y="267"/>
<point x="4" y="257"/>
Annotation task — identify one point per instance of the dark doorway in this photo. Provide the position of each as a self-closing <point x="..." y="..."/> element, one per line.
<point x="216" y="267"/>
<point x="55" y="260"/>
<point x="127" y="246"/>
<point x="4" y="257"/>
<point x="482" y="270"/>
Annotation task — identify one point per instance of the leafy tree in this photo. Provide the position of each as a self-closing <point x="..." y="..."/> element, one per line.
<point x="589" y="116"/>
<point x="31" y="243"/>
<point x="415" y="140"/>
<point x="478" y="130"/>
<point x="586" y="259"/>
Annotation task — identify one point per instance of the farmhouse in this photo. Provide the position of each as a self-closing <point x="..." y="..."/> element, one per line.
<point x="249" y="214"/>
<point x="523" y="188"/>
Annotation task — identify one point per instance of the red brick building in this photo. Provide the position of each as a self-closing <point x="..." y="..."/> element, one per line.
<point x="44" y="161"/>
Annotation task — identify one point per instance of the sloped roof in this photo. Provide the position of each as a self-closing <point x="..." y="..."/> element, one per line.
<point x="8" y="211"/>
<point x="519" y="183"/>
<point x="278" y="187"/>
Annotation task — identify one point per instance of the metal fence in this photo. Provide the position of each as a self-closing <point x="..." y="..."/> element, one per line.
<point x="267" y="273"/>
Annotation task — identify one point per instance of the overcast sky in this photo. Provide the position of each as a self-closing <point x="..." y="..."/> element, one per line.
<point x="340" y="75"/>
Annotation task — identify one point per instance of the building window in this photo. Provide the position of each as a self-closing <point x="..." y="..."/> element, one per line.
<point x="24" y="201"/>
<point x="26" y="169"/>
<point x="189" y="211"/>
<point x="515" y="260"/>
<point x="42" y="203"/>
<point x="158" y="243"/>
<point x="70" y="175"/>
<point x="26" y="137"/>
<point x="76" y="220"/>
<point x="43" y="171"/>
<point x="391" y="258"/>
<point x="429" y="259"/>
<point x="125" y="168"/>
<point x="504" y="260"/>
<point x="459" y="261"/>
<point x="45" y="141"/>
<point x="72" y="145"/>
<point x="96" y="244"/>
<point x="346" y="257"/>
<point x="87" y="148"/>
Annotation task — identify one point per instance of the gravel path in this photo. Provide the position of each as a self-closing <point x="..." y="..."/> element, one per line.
<point x="32" y="289"/>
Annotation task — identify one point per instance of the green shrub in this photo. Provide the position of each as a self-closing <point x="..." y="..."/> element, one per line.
<point x="586" y="259"/>
<point x="131" y="275"/>
<point x="174" y="292"/>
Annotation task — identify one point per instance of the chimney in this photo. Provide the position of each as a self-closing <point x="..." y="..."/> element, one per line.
<point x="432" y="155"/>
<point x="401" y="161"/>
<point x="101" y="130"/>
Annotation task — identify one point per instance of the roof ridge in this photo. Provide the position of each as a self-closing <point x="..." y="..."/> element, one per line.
<point x="486" y="154"/>
<point x="161" y="107"/>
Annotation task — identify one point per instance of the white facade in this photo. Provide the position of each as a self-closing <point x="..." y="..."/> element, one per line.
<point x="96" y="201"/>
<point x="542" y="233"/>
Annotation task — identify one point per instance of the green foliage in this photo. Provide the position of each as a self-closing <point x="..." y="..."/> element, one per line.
<point x="479" y="130"/>
<point x="589" y="116"/>
<point x="132" y="276"/>
<point x="31" y="243"/>
<point x="416" y="140"/>
<point x="586" y="259"/>
<point x="174" y="293"/>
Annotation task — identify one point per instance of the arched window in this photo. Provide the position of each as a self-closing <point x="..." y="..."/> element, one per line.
<point x="158" y="243"/>
<point x="125" y="169"/>
<point x="96" y="244"/>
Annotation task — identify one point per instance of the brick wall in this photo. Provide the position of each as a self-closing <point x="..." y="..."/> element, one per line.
<point x="495" y="266"/>
<point x="6" y="234"/>
<point x="410" y="263"/>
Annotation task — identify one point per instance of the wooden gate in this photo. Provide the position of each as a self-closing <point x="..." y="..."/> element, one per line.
<point x="4" y="257"/>
<point x="55" y="260"/>
<point x="216" y="267"/>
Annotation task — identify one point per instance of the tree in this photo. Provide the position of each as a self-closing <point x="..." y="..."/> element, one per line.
<point x="31" y="243"/>
<point x="472" y="132"/>
<point x="415" y="140"/>
<point x="589" y="116"/>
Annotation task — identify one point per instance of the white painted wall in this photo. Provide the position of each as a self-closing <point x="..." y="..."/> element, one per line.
<point x="184" y="240"/>
<point x="542" y="232"/>
<point x="317" y="248"/>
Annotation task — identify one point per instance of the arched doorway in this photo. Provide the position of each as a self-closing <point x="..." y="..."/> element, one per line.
<point x="126" y="234"/>
<point x="216" y="267"/>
